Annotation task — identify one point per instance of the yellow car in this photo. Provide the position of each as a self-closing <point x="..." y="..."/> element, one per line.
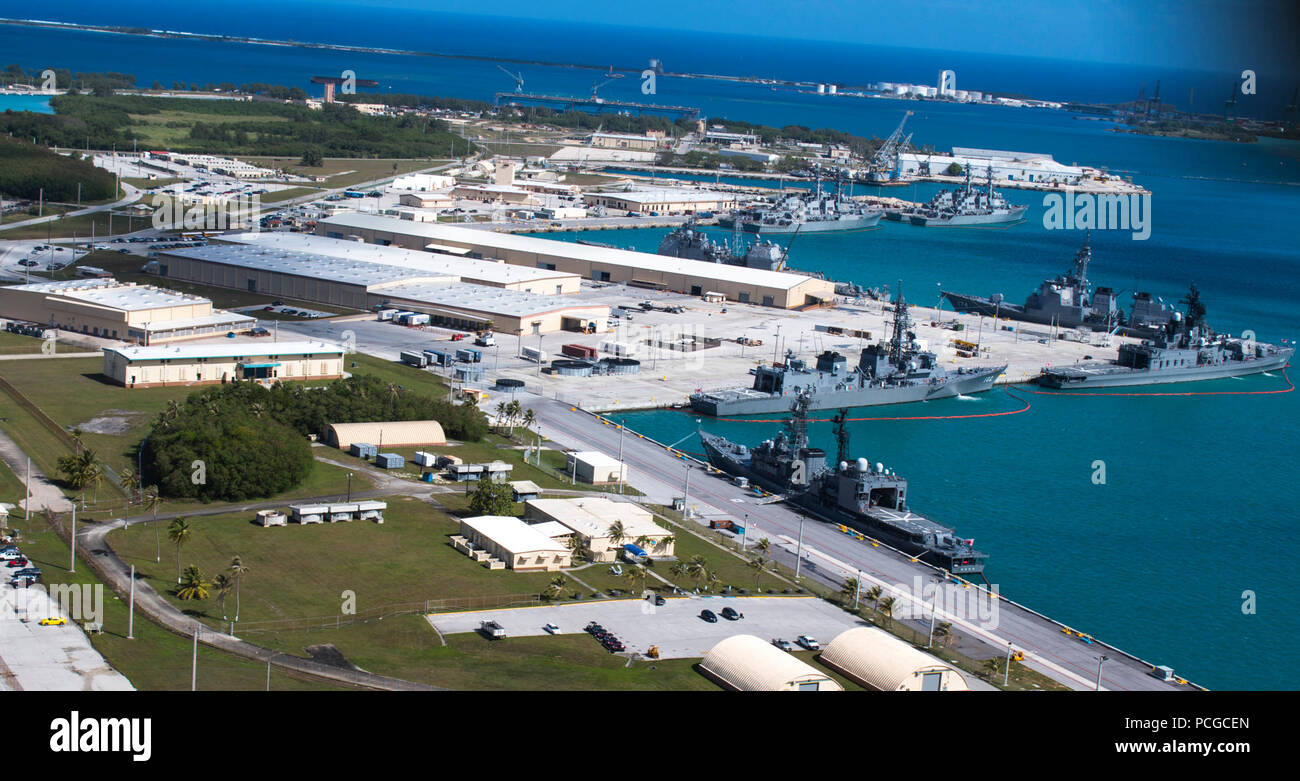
<point x="56" y="621"/>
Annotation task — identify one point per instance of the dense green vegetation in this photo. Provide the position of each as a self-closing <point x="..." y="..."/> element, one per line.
<point x="252" y="442"/>
<point x="416" y="101"/>
<point x="27" y="169"/>
<point x="232" y="127"/>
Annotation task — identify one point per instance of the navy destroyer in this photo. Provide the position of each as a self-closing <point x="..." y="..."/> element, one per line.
<point x="965" y="207"/>
<point x="807" y="212"/>
<point x="889" y="372"/>
<point x="1069" y="301"/>
<point x="853" y="492"/>
<point x="1187" y="349"/>
<point x="693" y="244"/>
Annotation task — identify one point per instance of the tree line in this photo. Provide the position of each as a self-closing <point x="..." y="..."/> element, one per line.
<point x="26" y="170"/>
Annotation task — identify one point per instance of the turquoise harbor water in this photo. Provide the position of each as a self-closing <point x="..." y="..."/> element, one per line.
<point x="1201" y="496"/>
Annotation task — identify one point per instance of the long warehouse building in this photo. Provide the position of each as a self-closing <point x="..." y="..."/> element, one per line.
<point x="601" y="264"/>
<point x="358" y="284"/>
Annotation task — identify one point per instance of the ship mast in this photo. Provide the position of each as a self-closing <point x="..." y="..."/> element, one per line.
<point x="1081" y="259"/>
<point x="798" y="423"/>
<point x="841" y="437"/>
<point x="899" y="342"/>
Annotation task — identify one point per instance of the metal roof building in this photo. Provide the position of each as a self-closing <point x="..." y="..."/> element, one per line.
<point x="746" y="663"/>
<point x="602" y="264"/>
<point x="514" y="542"/>
<point x="392" y="433"/>
<point x="119" y="310"/>
<point x="591" y="517"/>
<point x="880" y="661"/>
<point x="225" y="361"/>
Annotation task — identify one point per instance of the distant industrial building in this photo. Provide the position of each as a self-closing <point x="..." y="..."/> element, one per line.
<point x="424" y="200"/>
<point x="757" y="155"/>
<point x="624" y="141"/>
<point x="638" y="269"/>
<point x="880" y="661"/>
<point x="382" y="434"/>
<point x="1006" y="166"/>
<point x="746" y="663"/>
<point x="591" y="518"/>
<point x="493" y="193"/>
<point x="504" y="297"/>
<point x="663" y="201"/>
<point x="119" y="310"/>
<point x="511" y="541"/>
<point x="201" y="364"/>
<point x="422" y="182"/>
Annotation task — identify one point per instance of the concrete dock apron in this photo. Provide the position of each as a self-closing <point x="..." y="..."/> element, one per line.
<point x="661" y="476"/>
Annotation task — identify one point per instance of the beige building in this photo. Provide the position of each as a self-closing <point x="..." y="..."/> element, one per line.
<point x="384" y="434"/>
<point x="591" y="518"/>
<point x="663" y="201"/>
<point x="746" y="663"/>
<point x="602" y="264"/>
<point x="623" y="141"/>
<point x="592" y="466"/>
<point x="119" y="310"/>
<point x="493" y="193"/>
<point x="424" y="200"/>
<point x="521" y="547"/>
<point x="880" y="661"/>
<point x="201" y="364"/>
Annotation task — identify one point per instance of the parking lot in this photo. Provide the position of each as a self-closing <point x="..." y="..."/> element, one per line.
<point x="48" y="658"/>
<point x="676" y="626"/>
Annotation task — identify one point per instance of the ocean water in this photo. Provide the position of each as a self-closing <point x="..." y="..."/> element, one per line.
<point x="1201" y="492"/>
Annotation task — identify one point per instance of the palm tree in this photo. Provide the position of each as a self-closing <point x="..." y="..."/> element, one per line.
<point x="501" y="412"/>
<point x="556" y="586"/>
<point x="873" y="596"/>
<point x="76" y="439"/>
<point x="632" y="575"/>
<point x="575" y="545"/>
<point x="763" y="546"/>
<point x="665" y="543"/>
<point x="679" y="569"/>
<point x="529" y="419"/>
<point x="992" y="667"/>
<point x="513" y="410"/>
<point x="192" y="586"/>
<point x="759" y="565"/>
<point x="698" y="568"/>
<point x="223" y="584"/>
<point x="616" y="533"/>
<point x="886" y="608"/>
<point x="179" y="532"/>
<point x="129" y="480"/>
<point x="850" y="589"/>
<point x="943" y="633"/>
<point x="238" y="570"/>
<point x="642" y="542"/>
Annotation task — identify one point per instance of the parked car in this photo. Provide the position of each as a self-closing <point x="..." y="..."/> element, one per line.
<point x="259" y="331"/>
<point x="730" y="614"/>
<point x="659" y="600"/>
<point x="10" y="553"/>
<point x="708" y="615"/>
<point x="551" y="629"/>
<point x="54" y="621"/>
<point x="16" y="563"/>
<point x="33" y="571"/>
<point x="492" y="630"/>
<point x="809" y="642"/>
<point x="784" y="645"/>
<point x="29" y="263"/>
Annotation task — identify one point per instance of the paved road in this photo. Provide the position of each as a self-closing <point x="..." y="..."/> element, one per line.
<point x="830" y="556"/>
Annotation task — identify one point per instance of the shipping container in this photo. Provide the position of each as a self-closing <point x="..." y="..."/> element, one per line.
<point x="533" y="354"/>
<point x="469" y="355"/>
<point x="416" y="359"/>
<point x="578" y="351"/>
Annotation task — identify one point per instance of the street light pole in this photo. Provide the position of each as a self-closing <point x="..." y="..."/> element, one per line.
<point x="798" y="555"/>
<point x="1100" y="661"/>
<point x="622" y="478"/>
<point x="194" y="661"/>
<point x="686" y="493"/>
<point x="72" y="565"/>
<point x="349" y="486"/>
<point x="1006" y="675"/>
<point x="857" y="589"/>
<point x="130" y="610"/>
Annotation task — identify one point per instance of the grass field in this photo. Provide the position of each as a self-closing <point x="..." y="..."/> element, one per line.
<point x="79" y="226"/>
<point x="23" y="215"/>
<point x="406" y="647"/>
<point x="302" y="571"/>
<point x="19" y="344"/>
<point x="153" y="132"/>
<point x="346" y="171"/>
<point x="156" y="659"/>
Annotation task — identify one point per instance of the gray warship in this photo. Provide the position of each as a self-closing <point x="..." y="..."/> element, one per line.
<point x="852" y="492"/>
<point x="807" y="212"/>
<point x="891" y="372"/>
<point x="1186" y="350"/>
<point x="693" y="244"/>
<point x="1069" y="301"/>
<point x="965" y="207"/>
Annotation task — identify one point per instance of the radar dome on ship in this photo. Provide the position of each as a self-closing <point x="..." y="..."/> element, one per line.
<point x="843" y="465"/>
<point x="863" y="465"/>
<point x="880" y="467"/>
<point x="1178" y="317"/>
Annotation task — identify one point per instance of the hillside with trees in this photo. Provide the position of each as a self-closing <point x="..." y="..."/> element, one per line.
<point x="27" y="169"/>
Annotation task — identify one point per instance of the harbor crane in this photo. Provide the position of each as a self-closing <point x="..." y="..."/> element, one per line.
<point x="518" y="77"/>
<point x="1153" y="105"/>
<point x="884" y="163"/>
<point x="596" y="85"/>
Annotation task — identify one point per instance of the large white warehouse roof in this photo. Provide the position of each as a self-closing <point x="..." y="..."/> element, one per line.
<point x="746" y="663"/>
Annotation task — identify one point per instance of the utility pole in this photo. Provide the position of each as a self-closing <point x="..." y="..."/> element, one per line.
<point x="194" y="660"/>
<point x="798" y="555"/>
<point x="934" y="604"/>
<point x="622" y="477"/>
<point x="1006" y="675"/>
<point x="130" y="611"/>
<point x="686" y="492"/>
<point x="1100" y="661"/>
<point x="857" y="589"/>
<point x="27" y="505"/>
<point x="72" y="565"/>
